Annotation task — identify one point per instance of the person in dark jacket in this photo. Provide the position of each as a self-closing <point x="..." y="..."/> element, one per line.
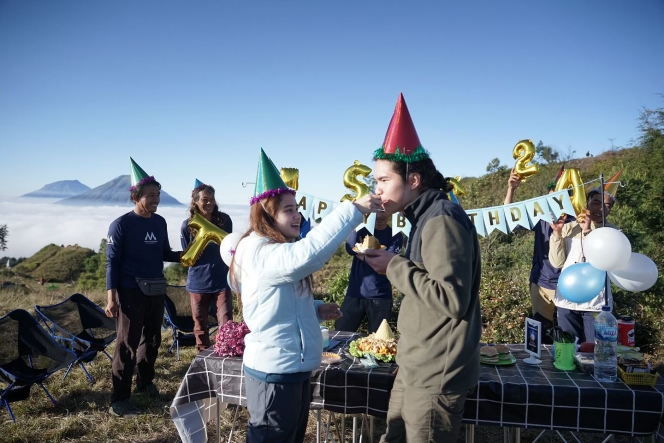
<point x="207" y="279"/>
<point x="439" y="320"/>
<point x="137" y="248"/>
<point x="543" y="276"/>
<point x="369" y="293"/>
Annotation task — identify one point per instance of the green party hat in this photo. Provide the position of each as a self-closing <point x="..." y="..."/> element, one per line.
<point x="268" y="180"/>
<point x="138" y="175"/>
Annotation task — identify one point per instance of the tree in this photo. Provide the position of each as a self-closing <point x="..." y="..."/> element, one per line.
<point x="3" y="237"/>
<point x="548" y="154"/>
<point x="495" y="166"/>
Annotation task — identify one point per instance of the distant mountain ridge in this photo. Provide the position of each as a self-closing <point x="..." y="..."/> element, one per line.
<point x="112" y="193"/>
<point x="59" y="189"/>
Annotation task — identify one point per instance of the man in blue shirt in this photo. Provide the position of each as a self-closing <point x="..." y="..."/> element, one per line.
<point x="369" y="293"/>
<point x="136" y="249"/>
<point x="543" y="276"/>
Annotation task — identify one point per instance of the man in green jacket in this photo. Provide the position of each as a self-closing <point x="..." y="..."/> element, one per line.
<point x="440" y="321"/>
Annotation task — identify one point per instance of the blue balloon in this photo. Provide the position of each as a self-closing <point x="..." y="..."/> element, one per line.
<point x="581" y="282"/>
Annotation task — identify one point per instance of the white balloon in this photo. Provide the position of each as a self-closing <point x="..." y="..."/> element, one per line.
<point x="607" y="249"/>
<point x="639" y="274"/>
<point x="228" y="246"/>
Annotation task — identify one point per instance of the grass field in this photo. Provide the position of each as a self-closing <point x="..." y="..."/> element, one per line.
<point x="82" y="412"/>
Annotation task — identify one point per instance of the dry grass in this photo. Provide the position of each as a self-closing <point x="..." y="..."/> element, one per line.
<point x="82" y="412"/>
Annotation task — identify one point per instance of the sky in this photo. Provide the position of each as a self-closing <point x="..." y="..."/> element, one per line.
<point x="193" y="90"/>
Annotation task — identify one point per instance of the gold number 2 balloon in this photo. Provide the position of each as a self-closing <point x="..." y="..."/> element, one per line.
<point x="351" y="182"/>
<point x="206" y="233"/>
<point x="523" y="152"/>
<point x="290" y="176"/>
<point x="571" y="178"/>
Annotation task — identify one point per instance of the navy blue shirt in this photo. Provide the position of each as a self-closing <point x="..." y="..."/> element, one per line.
<point x="137" y="247"/>
<point x="209" y="274"/>
<point x="543" y="274"/>
<point x="363" y="281"/>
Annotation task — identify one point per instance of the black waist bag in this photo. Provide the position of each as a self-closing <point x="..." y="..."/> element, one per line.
<point x="152" y="286"/>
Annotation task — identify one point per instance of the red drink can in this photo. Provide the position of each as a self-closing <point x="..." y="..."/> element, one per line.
<point x="626" y="330"/>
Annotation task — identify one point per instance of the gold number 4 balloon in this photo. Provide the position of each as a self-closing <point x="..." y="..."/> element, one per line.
<point x="523" y="152"/>
<point x="351" y="182"/>
<point x="290" y="176"/>
<point x="571" y="178"/>
<point x="206" y="233"/>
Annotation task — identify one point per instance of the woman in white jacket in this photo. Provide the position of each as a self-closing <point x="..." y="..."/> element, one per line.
<point x="271" y="272"/>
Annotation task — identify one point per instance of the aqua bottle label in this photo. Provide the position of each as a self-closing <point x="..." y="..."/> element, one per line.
<point x="606" y="333"/>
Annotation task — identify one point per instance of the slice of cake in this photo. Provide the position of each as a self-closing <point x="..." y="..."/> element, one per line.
<point x="370" y="242"/>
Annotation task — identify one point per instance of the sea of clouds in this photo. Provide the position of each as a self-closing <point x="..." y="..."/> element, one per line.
<point x="35" y="223"/>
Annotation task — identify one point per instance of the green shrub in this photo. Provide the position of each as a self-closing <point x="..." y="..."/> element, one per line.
<point x="176" y="274"/>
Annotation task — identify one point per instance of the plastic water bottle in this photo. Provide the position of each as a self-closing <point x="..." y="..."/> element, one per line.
<point x="606" y="342"/>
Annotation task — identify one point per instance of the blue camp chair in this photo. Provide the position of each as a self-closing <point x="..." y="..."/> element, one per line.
<point x="177" y="317"/>
<point x="80" y="326"/>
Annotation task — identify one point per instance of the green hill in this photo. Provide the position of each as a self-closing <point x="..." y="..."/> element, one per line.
<point x="55" y="263"/>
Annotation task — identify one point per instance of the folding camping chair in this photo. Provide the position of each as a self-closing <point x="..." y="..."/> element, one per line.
<point x="80" y="326"/>
<point x="177" y="317"/>
<point x="28" y="356"/>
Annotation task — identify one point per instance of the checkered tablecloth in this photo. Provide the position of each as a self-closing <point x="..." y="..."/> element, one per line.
<point x="347" y="387"/>
<point x="523" y="395"/>
<point x="518" y="395"/>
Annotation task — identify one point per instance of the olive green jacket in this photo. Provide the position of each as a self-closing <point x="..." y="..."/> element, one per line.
<point x="439" y="321"/>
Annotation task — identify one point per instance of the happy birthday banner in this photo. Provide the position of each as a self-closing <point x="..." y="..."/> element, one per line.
<point x="526" y="214"/>
<point x="505" y="218"/>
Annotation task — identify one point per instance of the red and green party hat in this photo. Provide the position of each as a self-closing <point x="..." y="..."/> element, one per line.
<point x="553" y="184"/>
<point x="268" y="180"/>
<point x="138" y="175"/>
<point x="401" y="141"/>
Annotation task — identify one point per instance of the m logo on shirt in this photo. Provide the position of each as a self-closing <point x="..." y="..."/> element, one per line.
<point x="150" y="238"/>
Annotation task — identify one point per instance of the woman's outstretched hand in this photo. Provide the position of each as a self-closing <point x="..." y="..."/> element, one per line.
<point x="369" y="203"/>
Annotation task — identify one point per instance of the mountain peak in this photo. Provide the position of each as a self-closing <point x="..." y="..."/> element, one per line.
<point x="112" y="193"/>
<point x="59" y="189"/>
